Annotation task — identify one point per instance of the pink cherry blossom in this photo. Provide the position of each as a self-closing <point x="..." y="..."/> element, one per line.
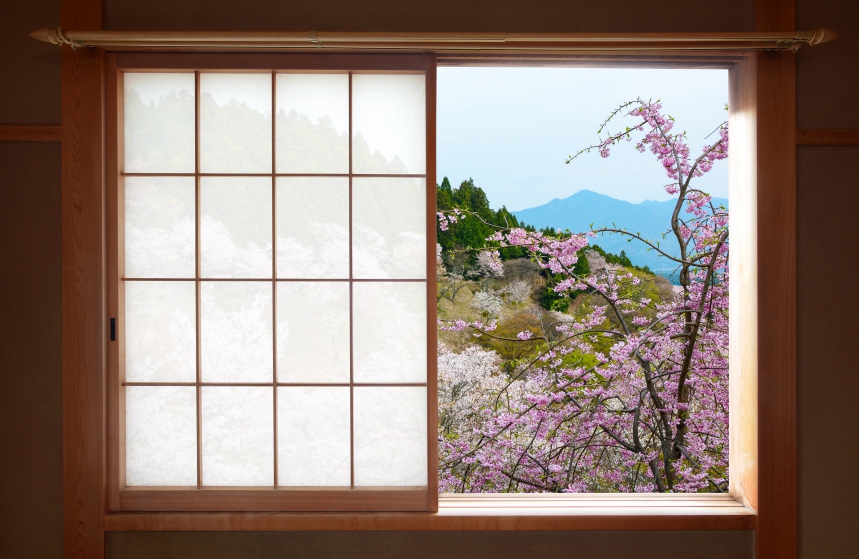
<point x="629" y="395"/>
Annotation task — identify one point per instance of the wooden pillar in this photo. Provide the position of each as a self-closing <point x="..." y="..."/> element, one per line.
<point x="83" y="289"/>
<point x="775" y="91"/>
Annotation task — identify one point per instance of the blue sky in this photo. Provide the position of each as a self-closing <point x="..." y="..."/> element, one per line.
<point x="510" y="129"/>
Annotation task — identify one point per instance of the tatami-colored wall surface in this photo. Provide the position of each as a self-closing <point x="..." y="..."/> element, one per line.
<point x="827" y="90"/>
<point x="828" y="379"/>
<point x="31" y="428"/>
<point x="29" y="71"/>
<point x="827" y="79"/>
<point x="30" y="342"/>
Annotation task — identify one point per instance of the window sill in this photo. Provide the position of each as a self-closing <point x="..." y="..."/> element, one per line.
<point x="478" y="513"/>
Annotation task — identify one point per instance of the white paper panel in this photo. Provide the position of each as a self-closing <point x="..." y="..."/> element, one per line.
<point x="313" y="332"/>
<point x="161" y="435"/>
<point x="313" y="227"/>
<point x="236" y="331"/>
<point x="160" y="331"/>
<point x="235" y="234"/>
<point x="159" y="227"/>
<point x="235" y="123"/>
<point x="313" y="436"/>
<point x="390" y="436"/>
<point x="312" y="123"/>
<point x="389" y="228"/>
<point x="159" y="123"/>
<point x="388" y="123"/>
<point x="238" y="435"/>
<point x="389" y="332"/>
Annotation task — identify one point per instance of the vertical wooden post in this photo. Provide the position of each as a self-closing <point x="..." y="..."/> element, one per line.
<point x="83" y="289"/>
<point x="432" y="327"/>
<point x="114" y="196"/>
<point x="776" y="183"/>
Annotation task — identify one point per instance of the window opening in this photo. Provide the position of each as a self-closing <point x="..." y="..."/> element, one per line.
<point x="265" y="221"/>
<point x="571" y="362"/>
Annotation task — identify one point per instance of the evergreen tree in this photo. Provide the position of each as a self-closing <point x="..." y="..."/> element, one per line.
<point x="472" y="233"/>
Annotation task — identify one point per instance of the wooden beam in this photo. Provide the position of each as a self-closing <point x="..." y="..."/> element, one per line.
<point x="30" y="133"/>
<point x="827" y="137"/>
<point x="230" y="499"/>
<point x="776" y="256"/>
<point x="776" y="229"/>
<point x="482" y="513"/>
<point x="83" y="289"/>
<point x="775" y="16"/>
<point x="83" y="305"/>
<point x="532" y="521"/>
<point x="776" y="180"/>
<point x="355" y="62"/>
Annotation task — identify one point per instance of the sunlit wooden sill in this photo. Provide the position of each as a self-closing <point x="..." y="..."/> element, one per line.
<point x="479" y="513"/>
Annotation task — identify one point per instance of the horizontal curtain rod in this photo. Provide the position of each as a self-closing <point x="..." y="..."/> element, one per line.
<point x="438" y="42"/>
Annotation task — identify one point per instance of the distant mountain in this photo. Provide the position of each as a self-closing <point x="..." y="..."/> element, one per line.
<point x="585" y="207"/>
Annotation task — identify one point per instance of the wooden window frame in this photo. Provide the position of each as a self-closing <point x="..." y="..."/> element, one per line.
<point x="203" y="498"/>
<point x="763" y="416"/>
<point x="735" y="511"/>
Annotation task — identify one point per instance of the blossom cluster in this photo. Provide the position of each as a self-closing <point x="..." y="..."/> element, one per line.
<point x="629" y="393"/>
<point x="671" y="149"/>
<point x="446" y="218"/>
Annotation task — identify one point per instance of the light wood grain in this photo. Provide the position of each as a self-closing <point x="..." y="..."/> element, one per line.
<point x="30" y="133"/>
<point x="827" y="137"/>
<point x="742" y="182"/>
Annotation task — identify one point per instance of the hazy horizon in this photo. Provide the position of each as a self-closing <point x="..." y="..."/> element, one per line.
<point x="510" y="129"/>
<point x="715" y="196"/>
